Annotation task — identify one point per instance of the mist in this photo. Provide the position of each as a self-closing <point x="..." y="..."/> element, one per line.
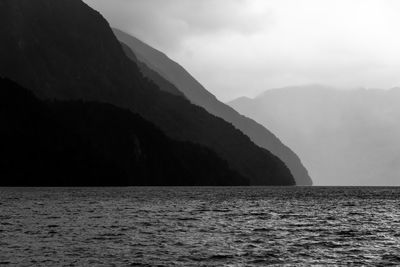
<point x="239" y="48"/>
<point x="343" y="137"/>
<point x="243" y="47"/>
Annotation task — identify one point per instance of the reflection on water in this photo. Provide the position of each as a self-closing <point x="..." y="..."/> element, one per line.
<point x="250" y="226"/>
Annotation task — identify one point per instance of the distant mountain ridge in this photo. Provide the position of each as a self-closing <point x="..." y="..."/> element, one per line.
<point x="197" y="94"/>
<point x="65" y="50"/>
<point x="345" y="137"/>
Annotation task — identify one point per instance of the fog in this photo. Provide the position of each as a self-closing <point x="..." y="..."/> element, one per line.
<point x="342" y="137"/>
<point x="243" y="47"/>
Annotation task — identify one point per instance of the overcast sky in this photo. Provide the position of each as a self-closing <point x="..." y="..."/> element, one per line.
<point x="243" y="47"/>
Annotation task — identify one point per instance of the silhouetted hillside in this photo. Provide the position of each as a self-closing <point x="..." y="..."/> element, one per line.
<point x="65" y="50"/>
<point x="151" y="74"/>
<point x="149" y="58"/>
<point x="91" y="144"/>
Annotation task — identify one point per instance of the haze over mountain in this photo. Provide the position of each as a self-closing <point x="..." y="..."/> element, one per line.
<point x="150" y="58"/>
<point x="65" y="50"/>
<point x="344" y="137"/>
<point x="242" y="47"/>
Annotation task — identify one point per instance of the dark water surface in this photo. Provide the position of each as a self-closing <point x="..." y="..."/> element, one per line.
<point x="245" y="226"/>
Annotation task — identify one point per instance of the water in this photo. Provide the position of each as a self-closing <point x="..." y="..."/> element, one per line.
<point x="245" y="226"/>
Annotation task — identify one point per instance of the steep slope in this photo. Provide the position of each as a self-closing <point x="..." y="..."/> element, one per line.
<point x="65" y="50"/>
<point x="93" y="144"/>
<point x="151" y="74"/>
<point x="344" y="137"/>
<point x="147" y="57"/>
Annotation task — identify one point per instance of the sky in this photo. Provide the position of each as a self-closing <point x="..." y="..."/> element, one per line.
<point x="244" y="47"/>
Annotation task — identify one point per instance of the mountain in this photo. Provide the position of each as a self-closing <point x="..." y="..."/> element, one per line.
<point x="92" y="144"/>
<point x="149" y="58"/>
<point x="152" y="75"/>
<point x="65" y="50"/>
<point x="345" y="137"/>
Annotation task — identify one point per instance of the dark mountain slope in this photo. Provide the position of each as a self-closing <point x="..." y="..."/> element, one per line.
<point x="148" y="57"/>
<point x="151" y="74"/>
<point x="93" y="144"/>
<point x="65" y="50"/>
<point x="36" y="150"/>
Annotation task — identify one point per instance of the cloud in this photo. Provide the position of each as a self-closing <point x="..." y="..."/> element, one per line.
<point x="243" y="47"/>
<point x="168" y="23"/>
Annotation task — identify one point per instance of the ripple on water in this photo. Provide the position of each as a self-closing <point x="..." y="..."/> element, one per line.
<point x="239" y="226"/>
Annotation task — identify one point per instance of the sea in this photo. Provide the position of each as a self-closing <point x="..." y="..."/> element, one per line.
<point x="200" y="226"/>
